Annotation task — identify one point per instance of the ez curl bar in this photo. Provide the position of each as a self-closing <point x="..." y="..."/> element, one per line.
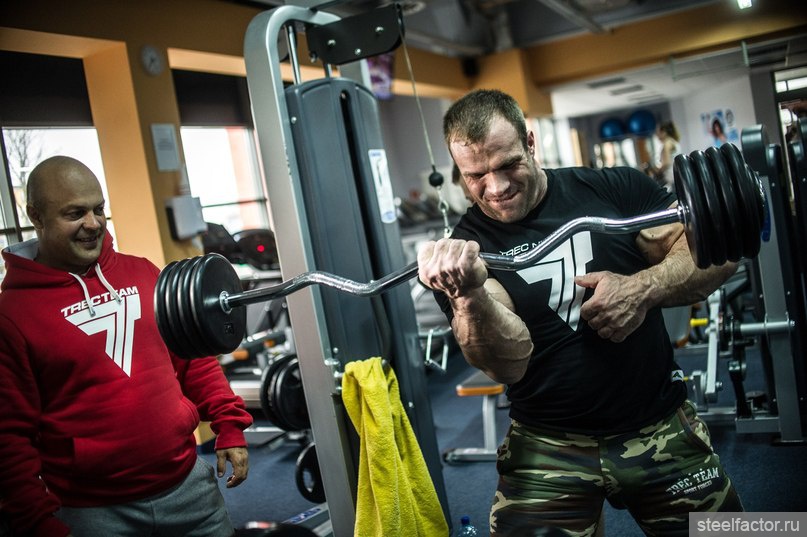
<point x="721" y="203"/>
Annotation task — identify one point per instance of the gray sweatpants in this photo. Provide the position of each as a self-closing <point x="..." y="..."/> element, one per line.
<point x="194" y="508"/>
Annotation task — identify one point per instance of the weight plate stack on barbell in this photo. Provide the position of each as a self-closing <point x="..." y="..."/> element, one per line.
<point x="728" y="201"/>
<point x="724" y="205"/>
<point x="721" y="203"/>
<point x="188" y="308"/>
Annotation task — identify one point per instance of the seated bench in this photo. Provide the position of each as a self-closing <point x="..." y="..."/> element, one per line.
<point x="479" y="383"/>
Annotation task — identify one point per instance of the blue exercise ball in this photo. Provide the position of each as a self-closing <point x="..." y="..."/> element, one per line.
<point x="612" y="128"/>
<point x="642" y="123"/>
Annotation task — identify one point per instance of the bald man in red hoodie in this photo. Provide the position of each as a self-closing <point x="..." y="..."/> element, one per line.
<point x="96" y="431"/>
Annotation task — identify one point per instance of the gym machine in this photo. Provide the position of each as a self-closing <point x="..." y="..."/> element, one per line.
<point x="776" y="278"/>
<point x="782" y="289"/>
<point x="329" y="189"/>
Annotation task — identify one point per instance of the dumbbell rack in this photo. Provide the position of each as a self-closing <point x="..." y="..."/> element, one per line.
<point x="303" y="169"/>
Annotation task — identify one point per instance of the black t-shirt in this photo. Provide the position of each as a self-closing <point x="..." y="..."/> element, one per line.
<point x="577" y="381"/>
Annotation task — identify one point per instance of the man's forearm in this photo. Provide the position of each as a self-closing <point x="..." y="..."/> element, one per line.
<point x="492" y="338"/>
<point x="676" y="281"/>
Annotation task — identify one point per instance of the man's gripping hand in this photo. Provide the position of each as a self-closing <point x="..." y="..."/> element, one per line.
<point x="617" y="307"/>
<point x="452" y="266"/>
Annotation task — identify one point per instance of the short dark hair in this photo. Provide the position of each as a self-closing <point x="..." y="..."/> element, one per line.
<point x="470" y="117"/>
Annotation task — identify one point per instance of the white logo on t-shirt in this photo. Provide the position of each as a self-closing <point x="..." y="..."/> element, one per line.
<point x="560" y="267"/>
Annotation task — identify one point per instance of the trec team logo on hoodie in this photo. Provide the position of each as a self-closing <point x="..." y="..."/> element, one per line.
<point x="116" y="318"/>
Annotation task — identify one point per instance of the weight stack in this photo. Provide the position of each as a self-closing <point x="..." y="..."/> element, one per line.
<point x="355" y="234"/>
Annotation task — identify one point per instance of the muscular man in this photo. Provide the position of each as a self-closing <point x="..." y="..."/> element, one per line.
<point x="598" y="405"/>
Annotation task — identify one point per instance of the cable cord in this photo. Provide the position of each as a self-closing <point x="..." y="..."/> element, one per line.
<point x="442" y="204"/>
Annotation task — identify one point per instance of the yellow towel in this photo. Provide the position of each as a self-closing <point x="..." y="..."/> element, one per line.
<point x="396" y="496"/>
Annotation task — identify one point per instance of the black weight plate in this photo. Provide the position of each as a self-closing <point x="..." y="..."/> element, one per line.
<point x="289" y="397"/>
<point x="746" y="215"/>
<point x="716" y="232"/>
<point x="160" y="310"/>
<point x="193" y="302"/>
<point x="199" y="331"/>
<point x="269" y="373"/>
<point x="275" y="397"/>
<point x="734" y="242"/>
<point x="221" y="331"/>
<point x="184" y="347"/>
<point x="280" y="421"/>
<point x="308" y="466"/>
<point x="691" y="199"/>
<point x="186" y="319"/>
<point x="762" y="201"/>
<point x="747" y="199"/>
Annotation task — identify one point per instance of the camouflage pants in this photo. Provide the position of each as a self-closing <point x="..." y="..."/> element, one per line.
<point x="550" y="481"/>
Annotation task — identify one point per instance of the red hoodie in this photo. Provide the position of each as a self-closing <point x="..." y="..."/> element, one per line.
<point x="94" y="409"/>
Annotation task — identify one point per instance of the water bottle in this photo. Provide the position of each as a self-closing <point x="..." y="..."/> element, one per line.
<point x="466" y="529"/>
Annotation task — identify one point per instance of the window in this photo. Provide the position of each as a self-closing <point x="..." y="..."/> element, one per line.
<point x="45" y="111"/>
<point x="24" y="149"/>
<point x="790" y="79"/>
<point x="220" y="151"/>
<point x="791" y="96"/>
<point x="223" y="172"/>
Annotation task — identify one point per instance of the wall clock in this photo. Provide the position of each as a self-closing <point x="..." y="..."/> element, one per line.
<point x="152" y="60"/>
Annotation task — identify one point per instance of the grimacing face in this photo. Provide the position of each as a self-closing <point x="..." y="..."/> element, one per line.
<point x="70" y="221"/>
<point x="501" y="177"/>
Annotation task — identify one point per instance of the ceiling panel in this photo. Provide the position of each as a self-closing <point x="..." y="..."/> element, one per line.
<point x="469" y="28"/>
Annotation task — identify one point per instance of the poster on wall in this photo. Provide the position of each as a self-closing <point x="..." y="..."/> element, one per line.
<point x="381" y="71"/>
<point x="719" y="127"/>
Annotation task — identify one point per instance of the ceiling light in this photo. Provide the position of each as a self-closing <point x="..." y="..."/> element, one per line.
<point x="627" y="89"/>
<point x="743" y="4"/>
<point x="607" y="82"/>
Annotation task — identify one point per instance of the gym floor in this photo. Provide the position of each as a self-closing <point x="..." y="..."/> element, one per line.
<point x="769" y="477"/>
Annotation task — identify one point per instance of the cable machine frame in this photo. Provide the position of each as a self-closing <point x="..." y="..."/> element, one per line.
<point x="321" y="368"/>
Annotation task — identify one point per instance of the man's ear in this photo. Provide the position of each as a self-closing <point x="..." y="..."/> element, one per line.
<point x="531" y="142"/>
<point x="34" y="216"/>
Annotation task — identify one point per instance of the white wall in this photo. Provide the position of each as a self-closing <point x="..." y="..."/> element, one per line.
<point x="407" y="154"/>
<point x="408" y="157"/>
<point x="690" y="113"/>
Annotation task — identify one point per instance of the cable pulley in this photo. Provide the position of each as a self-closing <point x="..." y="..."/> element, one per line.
<point x="199" y="301"/>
